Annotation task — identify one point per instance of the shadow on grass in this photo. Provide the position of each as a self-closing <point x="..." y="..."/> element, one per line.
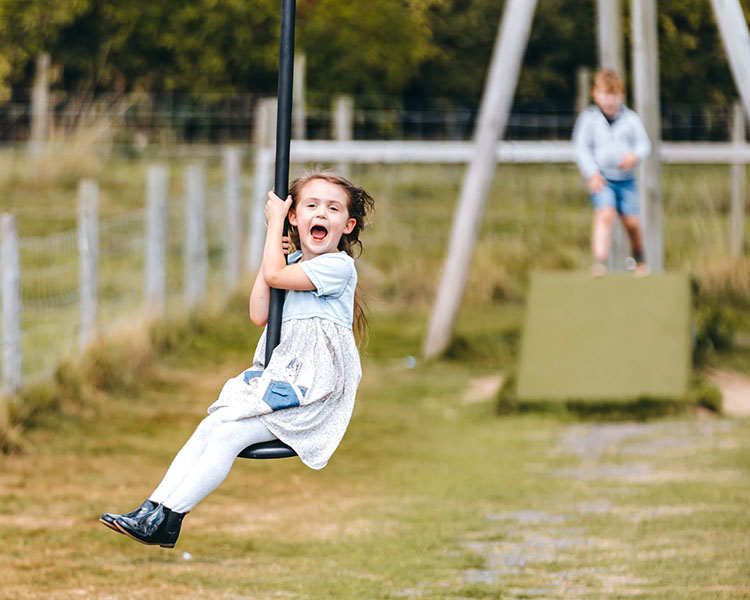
<point x="701" y="394"/>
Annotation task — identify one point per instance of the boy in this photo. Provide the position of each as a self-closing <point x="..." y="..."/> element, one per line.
<point x="610" y="141"/>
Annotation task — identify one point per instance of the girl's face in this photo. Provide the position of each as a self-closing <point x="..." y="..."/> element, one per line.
<point x="321" y="216"/>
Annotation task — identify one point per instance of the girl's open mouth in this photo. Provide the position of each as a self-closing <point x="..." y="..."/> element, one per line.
<point x="318" y="233"/>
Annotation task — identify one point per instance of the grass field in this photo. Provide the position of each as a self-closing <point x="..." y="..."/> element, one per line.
<point x="431" y="495"/>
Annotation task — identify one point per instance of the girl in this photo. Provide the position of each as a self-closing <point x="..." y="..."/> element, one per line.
<point x="305" y="395"/>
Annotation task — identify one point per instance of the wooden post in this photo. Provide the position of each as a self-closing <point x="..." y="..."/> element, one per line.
<point x="88" y="249"/>
<point x="343" y="126"/>
<point x="262" y="183"/>
<point x="609" y="35"/>
<point x="157" y="184"/>
<point x="299" y="109"/>
<point x="510" y="45"/>
<point x="736" y="39"/>
<point x="737" y="209"/>
<point x="583" y="89"/>
<point x="11" y="308"/>
<point x="264" y="130"/>
<point x="233" y="239"/>
<point x="39" y="106"/>
<point x="195" y="248"/>
<point x="265" y="140"/>
<point x="646" y="80"/>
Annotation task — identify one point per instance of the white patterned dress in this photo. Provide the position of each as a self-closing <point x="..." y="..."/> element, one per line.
<point x="305" y="396"/>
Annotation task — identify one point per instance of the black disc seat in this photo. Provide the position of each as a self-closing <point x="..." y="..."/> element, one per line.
<point x="265" y="450"/>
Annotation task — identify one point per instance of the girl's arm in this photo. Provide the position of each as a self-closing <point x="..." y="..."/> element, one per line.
<point x="259" y="300"/>
<point x="276" y="273"/>
<point x="261" y="294"/>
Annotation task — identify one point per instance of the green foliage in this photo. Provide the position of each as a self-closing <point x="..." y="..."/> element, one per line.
<point x="34" y="405"/>
<point x="563" y="38"/>
<point x="704" y="393"/>
<point x="430" y="49"/>
<point x="485" y="347"/>
<point x="364" y="46"/>
<point x="116" y="365"/>
<point x="26" y="30"/>
<point x="463" y="34"/>
<point x="507" y="395"/>
<point x="691" y="51"/>
<point x="197" y="46"/>
<point x="715" y="328"/>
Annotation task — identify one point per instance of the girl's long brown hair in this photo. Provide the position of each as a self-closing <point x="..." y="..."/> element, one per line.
<point x="360" y="206"/>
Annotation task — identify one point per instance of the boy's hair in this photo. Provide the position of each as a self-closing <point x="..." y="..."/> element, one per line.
<point x="360" y="207"/>
<point x="610" y="81"/>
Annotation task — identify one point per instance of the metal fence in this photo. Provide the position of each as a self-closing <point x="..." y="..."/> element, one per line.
<point x="140" y="119"/>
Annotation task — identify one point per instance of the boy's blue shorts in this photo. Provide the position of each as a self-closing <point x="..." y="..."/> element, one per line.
<point x="622" y="195"/>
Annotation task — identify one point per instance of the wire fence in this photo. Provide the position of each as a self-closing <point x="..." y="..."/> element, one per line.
<point x="139" y="119"/>
<point x="50" y="275"/>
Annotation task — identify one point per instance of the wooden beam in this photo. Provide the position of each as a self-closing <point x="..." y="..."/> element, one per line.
<point x="646" y="84"/>
<point x="494" y="110"/>
<point x="737" y="205"/>
<point x="736" y="39"/>
<point x="609" y="35"/>
<point x="523" y="152"/>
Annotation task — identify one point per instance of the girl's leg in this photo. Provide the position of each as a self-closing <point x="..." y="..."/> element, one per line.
<point x="186" y="458"/>
<point x="227" y="440"/>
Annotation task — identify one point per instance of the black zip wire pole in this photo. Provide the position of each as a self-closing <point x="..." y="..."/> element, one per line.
<point x="283" y="138"/>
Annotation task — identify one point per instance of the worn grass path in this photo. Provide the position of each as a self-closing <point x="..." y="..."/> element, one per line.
<point x="429" y="496"/>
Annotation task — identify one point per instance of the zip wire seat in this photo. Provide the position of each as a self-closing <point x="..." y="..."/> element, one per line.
<point x="265" y="450"/>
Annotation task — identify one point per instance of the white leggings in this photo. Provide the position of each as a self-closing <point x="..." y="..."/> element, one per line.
<point x="205" y="460"/>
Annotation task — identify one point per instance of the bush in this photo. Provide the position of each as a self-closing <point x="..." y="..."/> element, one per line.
<point x="715" y="329"/>
<point x="704" y="393"/>
<point x="118" y="364"/>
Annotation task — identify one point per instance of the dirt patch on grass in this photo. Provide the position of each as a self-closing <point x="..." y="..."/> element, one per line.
<point x="735" y="391"/>
<point x="482" y="389"/>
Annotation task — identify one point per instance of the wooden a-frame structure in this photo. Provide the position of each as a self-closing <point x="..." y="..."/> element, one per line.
<point x="494" y="111"/>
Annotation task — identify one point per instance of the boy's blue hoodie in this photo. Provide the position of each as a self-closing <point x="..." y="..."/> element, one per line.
<point x="599" y="144"/>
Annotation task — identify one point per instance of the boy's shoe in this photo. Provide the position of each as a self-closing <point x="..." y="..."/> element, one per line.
<point x="598" y="270"/>
<point x="641" y="270"/>
<point x="159" y="527"/>
<point x="108" y="519"/>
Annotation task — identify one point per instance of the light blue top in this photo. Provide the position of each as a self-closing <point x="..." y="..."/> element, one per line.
<point x="335" y="279"/>
<point x="600" y="145"/>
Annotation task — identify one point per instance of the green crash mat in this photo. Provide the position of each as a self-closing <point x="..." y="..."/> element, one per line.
<point x="606" y="338"/>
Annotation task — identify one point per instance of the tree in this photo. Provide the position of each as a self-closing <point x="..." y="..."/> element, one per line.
<point x="692" y="63"/>
<point x="188" y="46"/>
<point x="417" y="50"/>
<point x="363" y="46"/>
<point x="27" y="29"/>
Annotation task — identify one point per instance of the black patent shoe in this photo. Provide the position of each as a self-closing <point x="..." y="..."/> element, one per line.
<point x="159" y="527"/>
<point x="108" y="519"/>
